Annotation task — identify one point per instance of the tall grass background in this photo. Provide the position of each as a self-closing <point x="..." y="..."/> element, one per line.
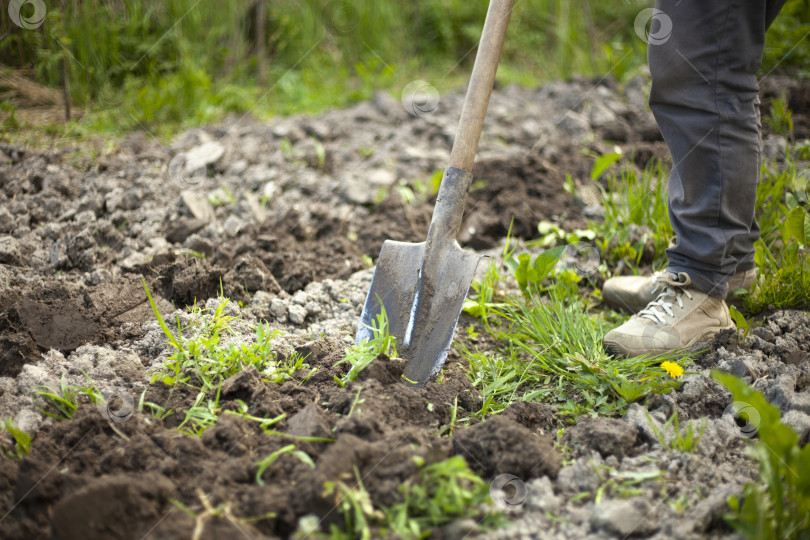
<point x="163" y="63"/>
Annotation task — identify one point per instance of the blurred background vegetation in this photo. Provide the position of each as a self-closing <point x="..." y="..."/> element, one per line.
<point x="164" y="64"/>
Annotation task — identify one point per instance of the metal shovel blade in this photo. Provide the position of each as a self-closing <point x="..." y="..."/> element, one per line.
<point x="422" y="287"/>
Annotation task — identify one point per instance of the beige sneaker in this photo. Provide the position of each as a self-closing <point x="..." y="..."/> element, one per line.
<point x="679" y="317"/>
<point x="633" y="293"/>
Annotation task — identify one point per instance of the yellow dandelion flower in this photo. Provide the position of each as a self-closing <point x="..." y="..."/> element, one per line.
<point x="673" y="369"/>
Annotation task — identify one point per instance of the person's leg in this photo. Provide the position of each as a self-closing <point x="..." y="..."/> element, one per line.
<point x="703" y="58"/>
<point x="743" y="249"/>
<point x="704" y="98"/>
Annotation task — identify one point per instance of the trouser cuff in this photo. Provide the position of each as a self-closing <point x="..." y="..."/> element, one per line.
<point x="707" y="282"/>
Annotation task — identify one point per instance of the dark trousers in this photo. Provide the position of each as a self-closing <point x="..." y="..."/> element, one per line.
<point x="705" y="99"/>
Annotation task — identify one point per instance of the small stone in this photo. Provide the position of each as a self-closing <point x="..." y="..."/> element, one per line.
<point x="10" y="251"/>
<point x="32" y="376"/>
<point x="801" y="402"/>
<point x="270" y="190"/>
<point x="181" y="228"/>
<point x="236" y="168"/>
<point x="624" y="517"/>
<point x="233" y="225"/>
<point x="196" y="205"/>
<point x="580" y="476"/>
<point x="317" y="129"/>
<point x="200" y="244"/>
<point x="313" y="308"/>
<point x="734" y="366"/>
<point x="28" y="421"/>
<point x="200" y="157"/>
<point x="6" y="221"/>
<point x="542" y="497"/>
<point x="781" y="391"/>
<point x="101" y="275"/>
<point x="88" y="216"/>
<point x="459" y="529"/>
<point x="380" y="177"/>
<point x="278" y="309"/>
<point x="297" y="314"/>
<point x="250" y="207"/>
<point x="388" y="105"/>
<point x="261" y="299"/>
<point x="112" y="201"/>
<point x="799" y="421"/>
<point x="309" y="422"/>
<point x="788" y="350"/>
<point x="576" y="126"/>
<point x="764" y="333"/>
<point x="693" y="390"/>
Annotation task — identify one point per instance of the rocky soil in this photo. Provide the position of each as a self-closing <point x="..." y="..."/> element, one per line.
<point x="285" y="218"/>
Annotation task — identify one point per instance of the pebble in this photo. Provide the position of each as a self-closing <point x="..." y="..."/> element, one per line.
<point x="279" y="310"/>
<point x="581" y="475"/>
<point x="31" y="377"/>
<point x="799" y="421"/>
<point x="624" y="517"/>
<point x="297" y="314"/>
<point x="196" y="205"/>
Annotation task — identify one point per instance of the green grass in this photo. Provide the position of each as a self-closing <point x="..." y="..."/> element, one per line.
<point x="549" y="348"/>
<point x="204" y="361"/>
<point x="635" y="213"/>
<point x="783" y="251"/>
<point x="361" y="355"/>
<point x="61" y="403"/>
<point x="439" y="493"/>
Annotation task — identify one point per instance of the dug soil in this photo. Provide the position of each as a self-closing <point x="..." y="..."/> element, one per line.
<point x="285" y="218"/>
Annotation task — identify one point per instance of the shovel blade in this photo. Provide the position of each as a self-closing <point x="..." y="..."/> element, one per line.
<point x="423" y="294"/>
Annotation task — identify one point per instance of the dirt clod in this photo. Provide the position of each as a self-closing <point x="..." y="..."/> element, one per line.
<point x="501" y="446"/>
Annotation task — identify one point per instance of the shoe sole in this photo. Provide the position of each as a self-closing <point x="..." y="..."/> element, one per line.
<point x="617" y="351"/>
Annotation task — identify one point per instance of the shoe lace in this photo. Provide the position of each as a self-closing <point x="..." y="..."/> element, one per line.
<point x="672" y="290"/>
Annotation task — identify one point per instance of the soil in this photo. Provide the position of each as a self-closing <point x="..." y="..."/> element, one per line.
<point x="282" y="218"/>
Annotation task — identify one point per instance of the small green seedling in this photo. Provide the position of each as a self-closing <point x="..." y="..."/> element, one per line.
<point x="683" y="440"/>
<point x="22" y="440"/>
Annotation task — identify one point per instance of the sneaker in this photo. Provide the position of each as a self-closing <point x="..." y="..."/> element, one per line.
<point x="680" y="316"/>
<point x="633" y="293"/>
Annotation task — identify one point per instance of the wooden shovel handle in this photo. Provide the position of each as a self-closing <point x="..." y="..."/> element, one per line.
<point x="462" y="155"/>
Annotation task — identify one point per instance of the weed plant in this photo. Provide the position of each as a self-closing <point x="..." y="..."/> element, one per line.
<point x="21" y="444"/>
<point x="620" y="484"/>
<point x="438" y="494"/>
<point x="362" y="354"/>
<point x="778" y="505"/>
<point x="203" y="362"/>
<point x="673" y="438"/>
<point x="62" y="403"/>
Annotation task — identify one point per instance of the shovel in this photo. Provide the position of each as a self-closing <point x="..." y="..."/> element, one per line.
<point x="422" y="286"/>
